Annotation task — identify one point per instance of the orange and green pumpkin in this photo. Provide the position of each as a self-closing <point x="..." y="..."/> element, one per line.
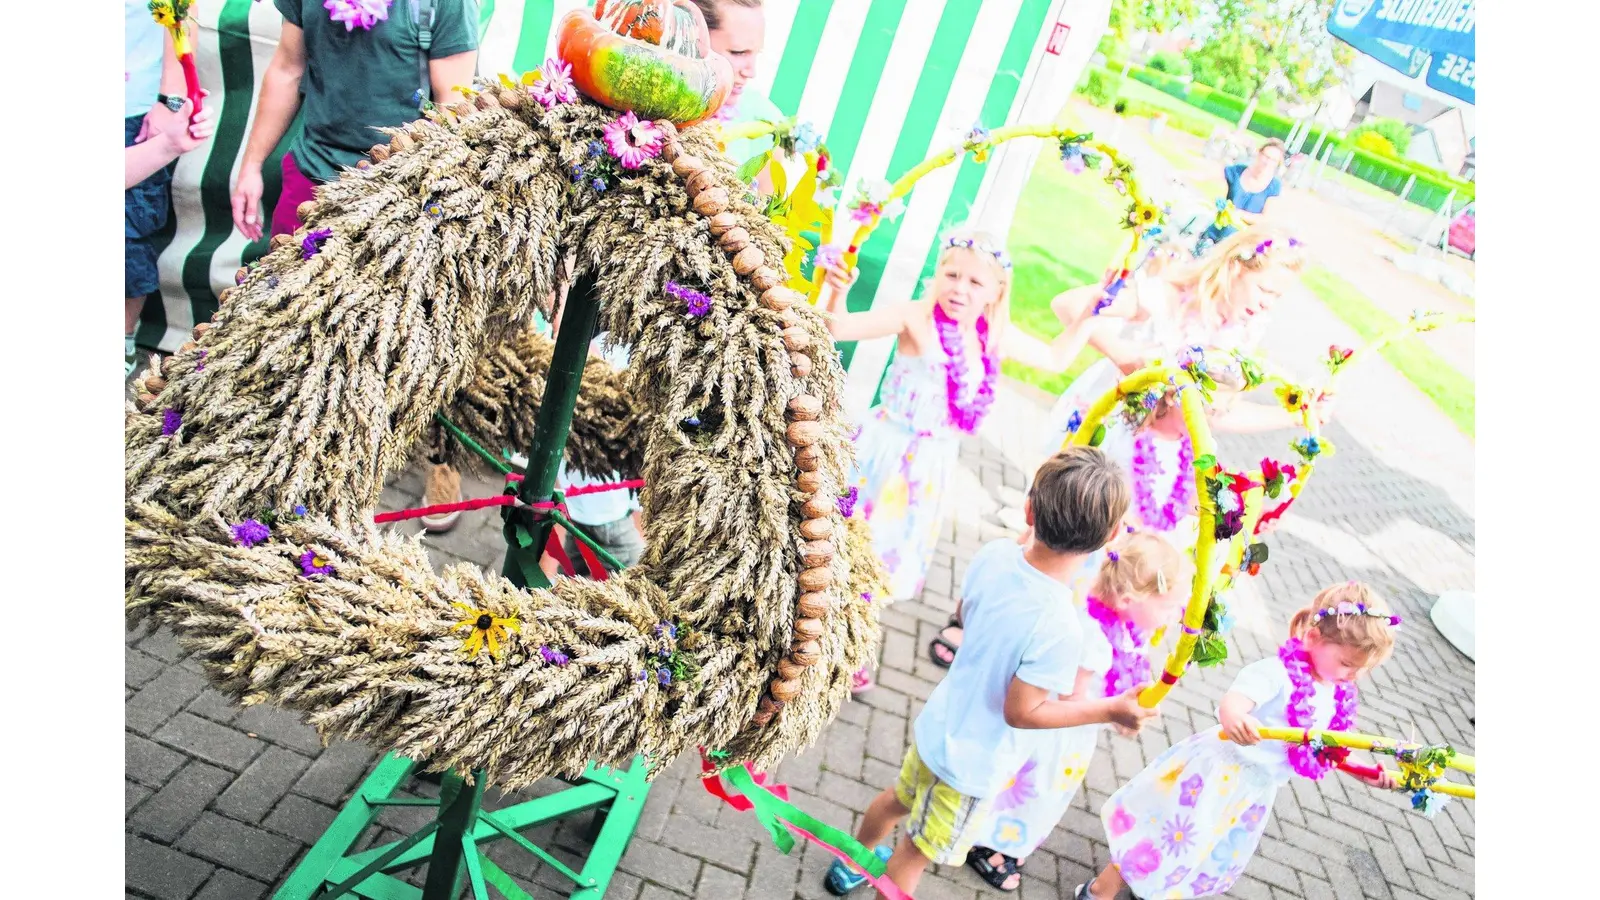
<point x="652" y="57"/>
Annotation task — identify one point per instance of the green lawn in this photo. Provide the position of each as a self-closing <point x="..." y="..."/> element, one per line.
<point x="1451" y="391"/>
<point x="1065" y="234"/>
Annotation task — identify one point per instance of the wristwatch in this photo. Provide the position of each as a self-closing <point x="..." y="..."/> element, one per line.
<point x="172" y="103"/>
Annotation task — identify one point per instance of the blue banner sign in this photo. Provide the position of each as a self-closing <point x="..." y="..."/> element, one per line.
<point x="1440" y="26"/>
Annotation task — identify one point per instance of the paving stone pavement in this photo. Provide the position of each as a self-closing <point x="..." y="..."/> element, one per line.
<point x="222" y="802"/>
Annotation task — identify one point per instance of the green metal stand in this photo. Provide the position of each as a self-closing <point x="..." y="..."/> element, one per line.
<point x="449" y="845"/>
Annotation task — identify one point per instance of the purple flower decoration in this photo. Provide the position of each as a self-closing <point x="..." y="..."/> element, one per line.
<point x="171" y="421"/>
<point x="697" y="303"/>
<point x="553" y="657"/>
<point x="1178" y="834"/>
<point x="1178" y="874"/>
<point x="357" y="13"/>
<point x="1072" y="159"/>
<point x="1141" y="861"/>
<point x="1120" y="823"/>
<point x="311" y="244"/>
<point x="554" y="84"/>
<point x="1252" y="816"/>
<point x="250" y="533"/>
<point x="1203" y="885"/>
<point x="200" y="362"/>
<point x="300" y="509"/>
<point x="1074" y="422"/>
<point x="866" y="596"/>
<point x="314" y="563"/>
<point x="664" y="676"/>
<point x="847" y="503"/>
<point x="632" y="140"/>
<point x="830" y="256"/>
<point x="1020" y="790"/>
<point x="1192" y="357"/>
<point x="667" y="629"/>
<point x="1190" y="790"/>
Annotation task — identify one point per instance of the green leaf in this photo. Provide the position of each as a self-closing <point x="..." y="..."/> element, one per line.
<point x="1205" y="463"/>
<point x="1099" y="435"/>
<point x="753" y="166"/>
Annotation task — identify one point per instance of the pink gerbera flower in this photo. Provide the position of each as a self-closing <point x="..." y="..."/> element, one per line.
<point x="632" y="141"/>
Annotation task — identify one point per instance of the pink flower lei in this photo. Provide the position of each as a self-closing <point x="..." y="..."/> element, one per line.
<point x="1146" y="469"/>
<point x="965" y="418"/>
<point x="1129" y="662"/>
<point x="1312" y="760"/>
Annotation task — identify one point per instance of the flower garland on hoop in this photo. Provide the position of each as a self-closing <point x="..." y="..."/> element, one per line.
<point x="965" y="417"/>
<point x="1130" y="664"/>
<point x="1313" y="759"/>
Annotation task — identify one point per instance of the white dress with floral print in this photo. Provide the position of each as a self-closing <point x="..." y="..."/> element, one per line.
<point x="905" y="456"/>
<point x="1188" y="824"/>
<point x="1036" y="798"/>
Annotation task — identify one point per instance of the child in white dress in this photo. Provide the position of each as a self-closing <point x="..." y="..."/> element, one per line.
<point x="1140" y="588"/>
<point x="1188" y="824"/>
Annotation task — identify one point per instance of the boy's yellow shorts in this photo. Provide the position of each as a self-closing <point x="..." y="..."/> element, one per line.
<point x="944" y="823"/>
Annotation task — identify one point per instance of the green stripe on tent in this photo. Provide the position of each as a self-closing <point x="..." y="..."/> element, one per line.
<point x="997" y="104"/>
<point x="916" y="135"/>
<point x="238" y="90"/>
<point x="799" y="52"/>
<point x="485" y="13"/>
<point x="537" y="17"/>
<point x="862" y="79"/>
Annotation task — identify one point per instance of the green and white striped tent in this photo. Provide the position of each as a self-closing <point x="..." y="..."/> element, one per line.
<point x="887" y="81"/>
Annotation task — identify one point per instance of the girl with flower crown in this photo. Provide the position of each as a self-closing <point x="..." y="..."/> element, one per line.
<point x="939" y="387"/>
<point x="1188" y="824"/>
<point x="1137" y="590"/>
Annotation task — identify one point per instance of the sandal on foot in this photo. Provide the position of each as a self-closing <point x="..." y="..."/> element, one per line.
<point x="841" y="879"/>
<point x="995" y="876"/>
<point x="939" y="640"/>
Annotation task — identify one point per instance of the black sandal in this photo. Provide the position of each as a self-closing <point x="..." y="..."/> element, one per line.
<point x="940" y="641"/>
<point x="978" y="860"/>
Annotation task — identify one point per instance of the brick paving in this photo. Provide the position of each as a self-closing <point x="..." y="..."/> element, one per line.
<point x="221" y="802"/>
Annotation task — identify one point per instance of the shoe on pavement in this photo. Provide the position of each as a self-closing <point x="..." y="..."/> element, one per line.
<point x="842" y="879"/>
<point x="444" y="486"/>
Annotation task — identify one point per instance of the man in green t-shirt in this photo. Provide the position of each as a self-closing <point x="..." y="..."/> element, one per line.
<point x="347" y="74"/>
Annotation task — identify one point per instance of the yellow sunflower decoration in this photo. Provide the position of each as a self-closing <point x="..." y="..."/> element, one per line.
<point x="485" y="630"/>
<point x="1292" y="398"/>
<point x="1144" y="215"/>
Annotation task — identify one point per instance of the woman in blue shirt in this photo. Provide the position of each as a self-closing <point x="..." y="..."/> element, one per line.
<point x="1249" y="189"/>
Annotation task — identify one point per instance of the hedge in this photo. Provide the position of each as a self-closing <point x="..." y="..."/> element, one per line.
<point x="1430" y="191"/>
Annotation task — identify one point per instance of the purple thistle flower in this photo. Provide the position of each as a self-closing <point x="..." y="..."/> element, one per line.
<point x="847" y="503"/>
<point x="553" y="657"/>
<point x="698" y="304"/>
<point x="171" y="421"/>
<point x="250" y="533"/>
<point x="311" y="244"/>
<point x="314" y="563"/>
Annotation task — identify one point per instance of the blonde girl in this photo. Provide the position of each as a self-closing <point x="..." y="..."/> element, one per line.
<point x="1188" y="824"/>
<point x="940" y="386"/>
<point x="1220" y="303"/>
<point x="1138" y="588"/>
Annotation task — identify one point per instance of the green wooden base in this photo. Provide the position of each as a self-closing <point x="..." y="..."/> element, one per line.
<point x="452" y="844"/>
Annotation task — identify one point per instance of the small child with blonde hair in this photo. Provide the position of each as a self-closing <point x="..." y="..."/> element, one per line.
<point x="1188" y="824"/>
<point x="1138" y="589"/>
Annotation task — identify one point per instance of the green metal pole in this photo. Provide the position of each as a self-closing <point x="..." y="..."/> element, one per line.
<point x="550" y="430"/>
<point x="458" y="816"/>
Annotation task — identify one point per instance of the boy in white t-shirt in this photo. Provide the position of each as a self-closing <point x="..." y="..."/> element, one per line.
<point x="1023" y="648"/>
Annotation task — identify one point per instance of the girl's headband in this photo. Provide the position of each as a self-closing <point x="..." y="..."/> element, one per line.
<point x="1262" y="248"/>
<point x="1347" y="608"/>
<point x="1003" y="258"/>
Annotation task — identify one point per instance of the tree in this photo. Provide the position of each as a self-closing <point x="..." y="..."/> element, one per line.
<point x="1253" y="43"/>
<point x="1159" y="16"/>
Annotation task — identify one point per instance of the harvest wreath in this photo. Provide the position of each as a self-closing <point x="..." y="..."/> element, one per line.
<point x="256" y="456"/>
